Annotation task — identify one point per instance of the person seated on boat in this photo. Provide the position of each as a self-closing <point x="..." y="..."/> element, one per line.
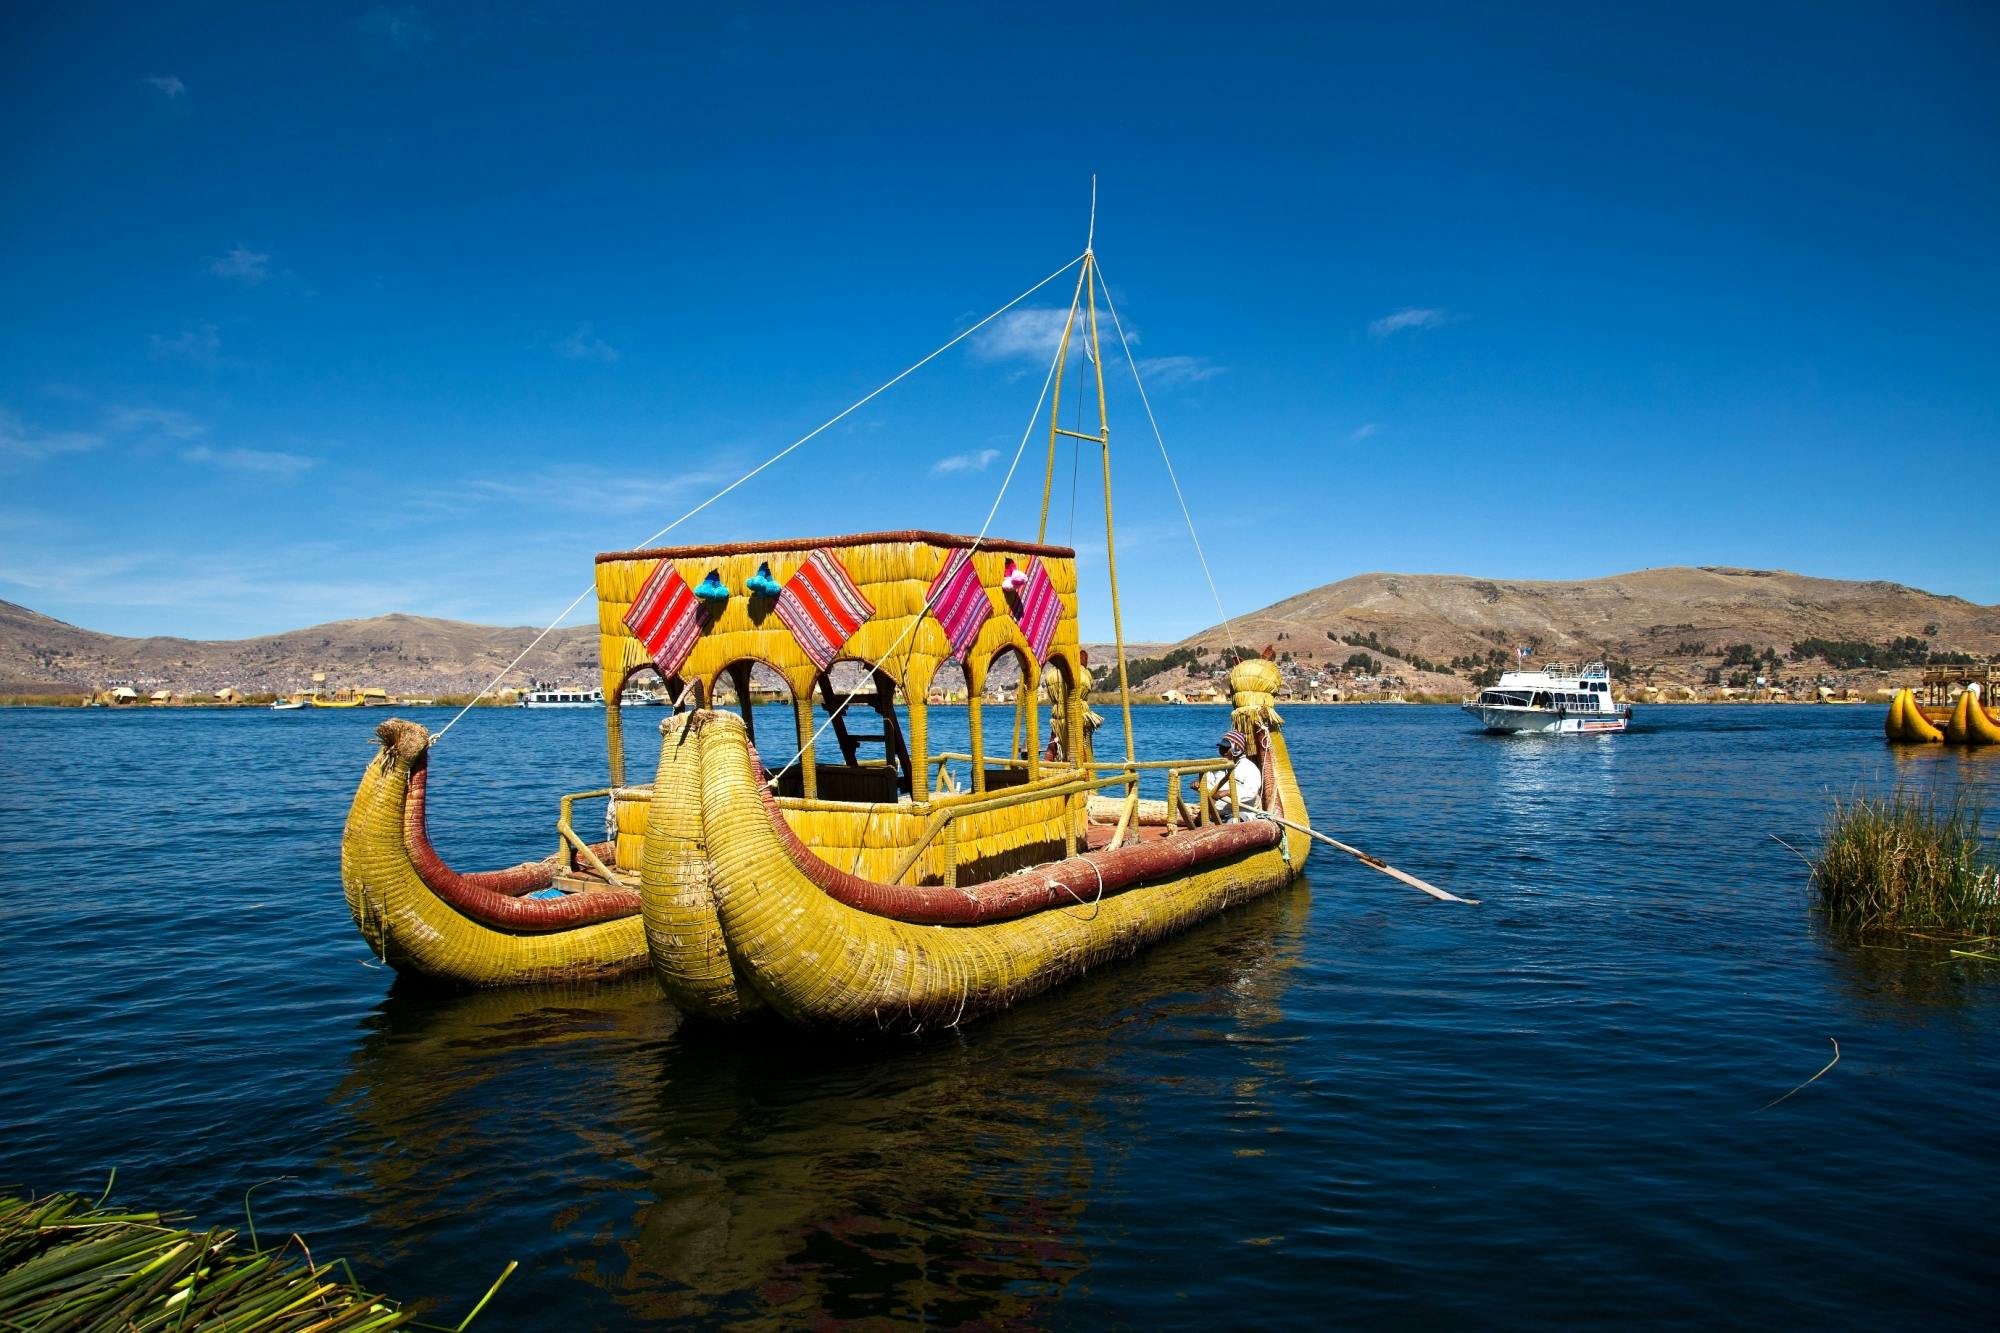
<point x="1248" y="778"/>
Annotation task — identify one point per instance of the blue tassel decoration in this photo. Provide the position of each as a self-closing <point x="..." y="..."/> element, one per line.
<point x="761" y="584"/>
<point x="712" y="590"/>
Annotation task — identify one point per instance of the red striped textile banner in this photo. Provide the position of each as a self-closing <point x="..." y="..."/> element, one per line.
<point x="959" y="602"/>
<point x="822" y="607"/>
<point x="665" y="618"/>
<point x="1040" y="610"/>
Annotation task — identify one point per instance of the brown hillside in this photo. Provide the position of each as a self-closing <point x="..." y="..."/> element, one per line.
<point x="1651" y="616"/>
<point x="402" y="654"/>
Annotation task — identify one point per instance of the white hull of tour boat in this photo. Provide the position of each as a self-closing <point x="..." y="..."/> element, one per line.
<point x="1546" y="721"/>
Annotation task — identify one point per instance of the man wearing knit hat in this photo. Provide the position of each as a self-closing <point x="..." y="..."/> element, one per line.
<point x="1247" y="777"/>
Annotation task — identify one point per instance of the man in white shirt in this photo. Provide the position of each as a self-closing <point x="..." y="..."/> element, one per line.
<point x="1248" y="778"/>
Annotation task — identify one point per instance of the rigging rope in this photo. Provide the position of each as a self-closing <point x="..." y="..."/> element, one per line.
<point x="931" y="596"/>
<point x="961" y="336"/>
<point x="1105" y="287"/>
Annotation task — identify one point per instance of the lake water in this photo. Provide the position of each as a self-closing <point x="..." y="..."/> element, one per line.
<point x="1346" y="1103"/>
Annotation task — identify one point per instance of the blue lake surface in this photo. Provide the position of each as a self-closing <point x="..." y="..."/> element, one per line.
<point x="1345" y="1103"/>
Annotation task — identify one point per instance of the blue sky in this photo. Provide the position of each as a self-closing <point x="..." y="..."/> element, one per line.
<point x="309" y="312"/>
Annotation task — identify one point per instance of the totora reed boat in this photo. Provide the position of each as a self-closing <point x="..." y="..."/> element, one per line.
<point x="802" y="852"/>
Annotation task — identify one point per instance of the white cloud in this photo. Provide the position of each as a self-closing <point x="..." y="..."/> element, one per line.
<point x="1033" y="333"/>
<point x="599" y="490"/>
<point x="156" y="420"/>
<point x="1363" y="431"/>
<point x="1172" y="372"/>
<point x="402" y="26"/>
<point x="167" y="84"/>
<point x="18" y="441"/>
<point x="201" y="345"/>
<point x="1411" y="317"/>
<point x="242" y="262"/>
<point x="977" y="461"/>
<point x="264" y="462"/>
<point x="584" y="345"/>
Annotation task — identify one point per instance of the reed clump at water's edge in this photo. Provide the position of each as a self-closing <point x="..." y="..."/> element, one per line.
<point x="69" y="1263"/>
<point x="1907" y="862"/>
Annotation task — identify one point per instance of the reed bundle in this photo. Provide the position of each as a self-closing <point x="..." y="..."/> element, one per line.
<point x="67" y="1263"/>
<point x="1907" y="862"/>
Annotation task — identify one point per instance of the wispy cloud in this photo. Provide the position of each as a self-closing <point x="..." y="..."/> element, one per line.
<point x="168" y="85"/>
<point x="201" y="346"/>
<point x="599" y="490"/>
<point x="976" y="461"/>
<point x="1411" y="317"/>
<point x="242" y="263"/>
<point x="585" y="345"/>
<point x="263" y="462"/>
<point x="401" y="26"/>
<point x="1033" y="334"/>
<point x="156" y="421"/>
<point x="1173" y="372"/>
<point x="21" y="442"/>
<point x="1363" y="431"/>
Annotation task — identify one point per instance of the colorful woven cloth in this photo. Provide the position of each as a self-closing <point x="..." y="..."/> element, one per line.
<point x="959" y="602"/>
<point x="666" y="618"/>
<point x="822" y="607"/>
<point x="1040" y="610"/>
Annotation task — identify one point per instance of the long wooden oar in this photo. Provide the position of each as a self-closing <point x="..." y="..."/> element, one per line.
<point x="1372" y="862"/>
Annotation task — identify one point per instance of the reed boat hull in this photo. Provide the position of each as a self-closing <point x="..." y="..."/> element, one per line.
<point x="1969" y="720"/>
<point x="419" y="916"/>
<point x="740" y="919"/>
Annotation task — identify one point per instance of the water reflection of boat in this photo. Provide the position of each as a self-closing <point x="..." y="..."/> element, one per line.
<point x="669" y="1175"/>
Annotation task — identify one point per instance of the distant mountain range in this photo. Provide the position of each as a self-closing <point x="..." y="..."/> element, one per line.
<point x="1675" y="618"/>
<point x="1679" y="617"/>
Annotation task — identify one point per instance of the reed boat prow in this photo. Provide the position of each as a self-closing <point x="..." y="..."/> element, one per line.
<point x="781" y="937"/>
<point x="480" y="929"/>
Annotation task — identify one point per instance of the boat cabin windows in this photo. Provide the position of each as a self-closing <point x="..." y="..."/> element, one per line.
<point x="859" y="751"/>
<point x="1506" y="698"/>
<point x="1006" y="722"/>
<point x="635" y="749"/>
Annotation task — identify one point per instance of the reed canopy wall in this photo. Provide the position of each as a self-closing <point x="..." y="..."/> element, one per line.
<point x="900" y="646"/>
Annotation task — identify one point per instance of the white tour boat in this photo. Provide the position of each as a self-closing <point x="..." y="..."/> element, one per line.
<point x="562" y="696"/>
<point x="1557" y="699"/>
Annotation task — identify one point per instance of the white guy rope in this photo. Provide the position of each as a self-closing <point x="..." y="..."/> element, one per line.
<point x="1105" y="287"/>
<point x="961" y="336"/>
<point x="931" y="597"/>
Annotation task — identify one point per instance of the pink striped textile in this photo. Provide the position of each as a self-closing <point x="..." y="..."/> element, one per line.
<point x="959" y="602"/>
<point x="1040" y="610"/>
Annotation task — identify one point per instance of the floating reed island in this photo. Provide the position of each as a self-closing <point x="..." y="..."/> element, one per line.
<point x="1909" y="864"/>
<point x="67" y="1263"/>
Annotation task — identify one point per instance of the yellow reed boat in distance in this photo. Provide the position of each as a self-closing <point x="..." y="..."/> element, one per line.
<point x="1952" y="706"/>
<point x="803" y="853"/>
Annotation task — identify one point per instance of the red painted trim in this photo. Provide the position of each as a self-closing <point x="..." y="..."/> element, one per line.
<point x="493" y="898"/>
<point x="1073" y="882"/>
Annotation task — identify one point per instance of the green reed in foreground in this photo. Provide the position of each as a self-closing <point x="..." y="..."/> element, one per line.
<point x="1906" y="862"/>
<point x="69" y="1264"/>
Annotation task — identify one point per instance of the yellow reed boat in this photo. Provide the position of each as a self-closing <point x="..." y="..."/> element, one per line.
<point x="803" y="852"/>
<point x="1949" y="707"/>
